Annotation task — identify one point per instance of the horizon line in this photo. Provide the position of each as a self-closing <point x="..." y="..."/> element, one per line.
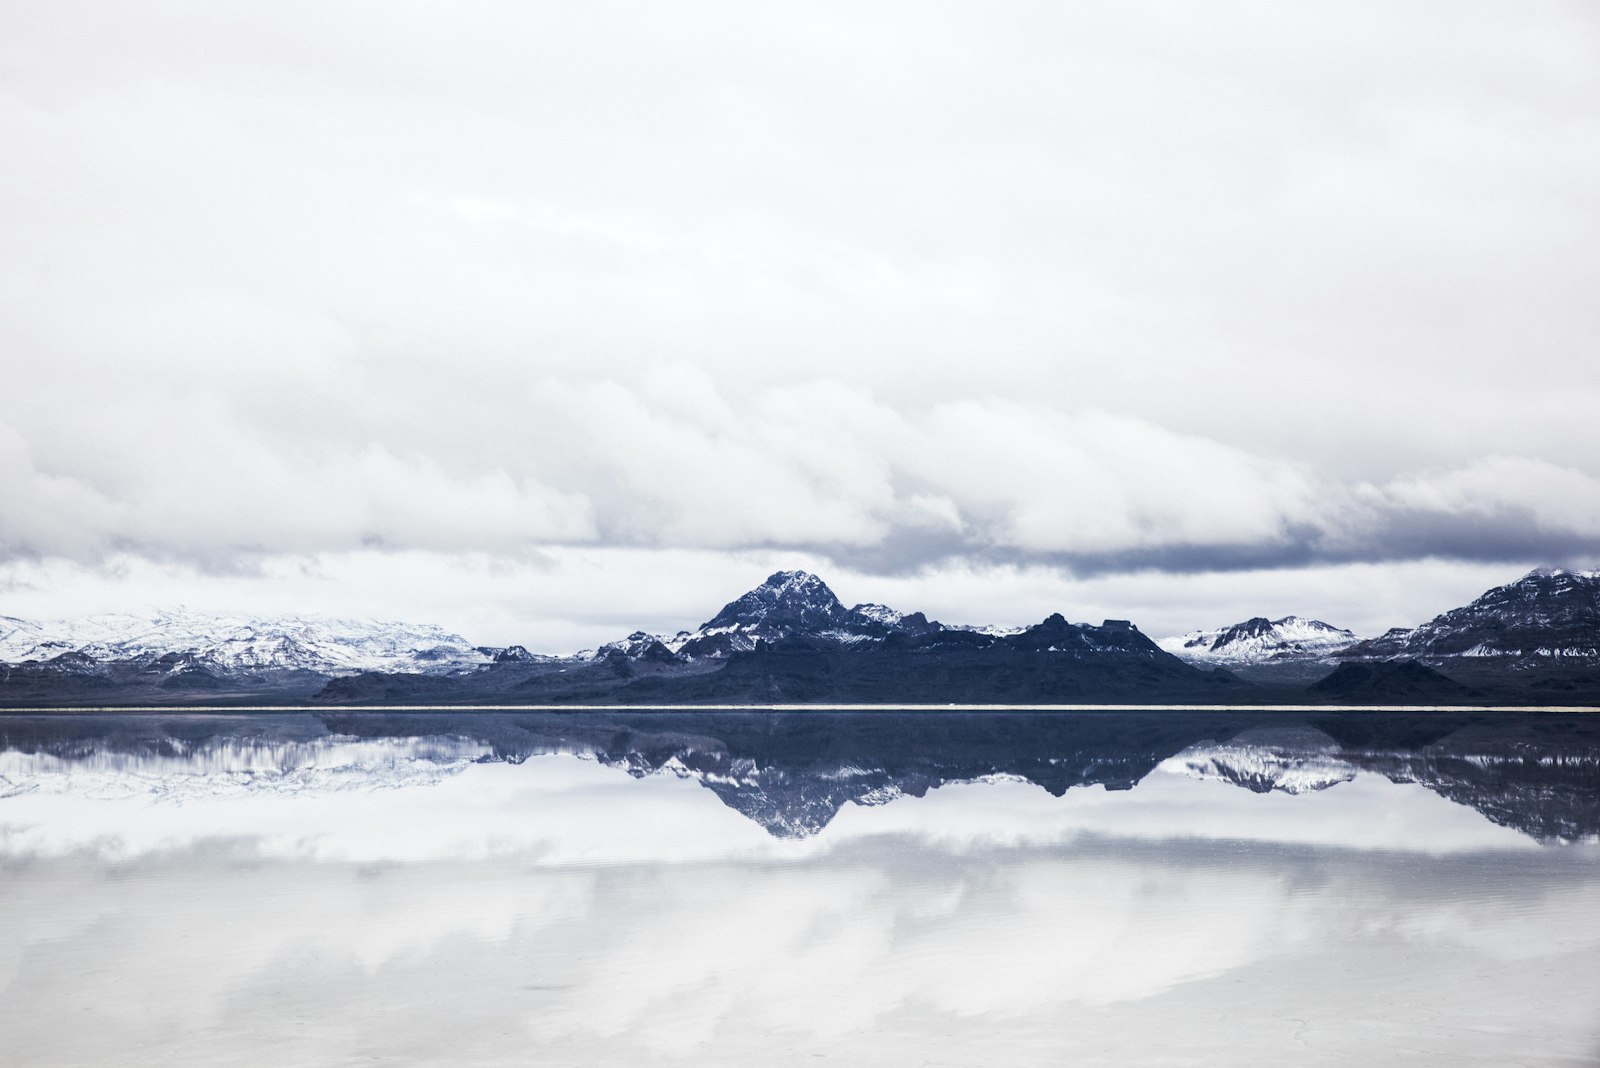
<point x="954" y="707"/>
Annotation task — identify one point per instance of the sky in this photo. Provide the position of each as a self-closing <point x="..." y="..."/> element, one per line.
<point x="547" y="322"/>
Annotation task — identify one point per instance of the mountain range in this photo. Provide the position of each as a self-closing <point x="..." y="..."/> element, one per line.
<point x="791" y="640"/>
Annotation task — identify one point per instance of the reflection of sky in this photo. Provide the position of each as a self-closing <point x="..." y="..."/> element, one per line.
<point x="563" y="809"/>
<point x="561" y="912"/>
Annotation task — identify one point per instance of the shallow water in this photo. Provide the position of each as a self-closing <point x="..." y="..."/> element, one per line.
<point x="876" y="888"/>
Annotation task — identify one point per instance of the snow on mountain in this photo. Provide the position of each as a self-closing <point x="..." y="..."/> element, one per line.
<point x="1550" y="614"/>
<point x="787" y="602"/>
<point x="992" y="630"/>
<point x="786" y="605"/>
<point x="640" y="645"/>
<point x="879" y="613"/>
<point x="22" y="639"/>
<point x="1261" y="639"/>
<point x="241" y="644"/>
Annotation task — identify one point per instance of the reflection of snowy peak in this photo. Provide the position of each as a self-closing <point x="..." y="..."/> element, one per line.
<point x="1261" y="639"/>
<point x="1548" y="615"/>
<point x="230" y="645"/>
<point x="227" y="767"/>
<point x="787" y="802"/>
<point x="793" y="773"/>
<point x="1295" y="762"/>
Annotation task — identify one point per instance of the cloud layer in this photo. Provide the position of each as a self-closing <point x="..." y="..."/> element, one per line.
<point x="901" y="290"/>
<point x="676" y="462"/>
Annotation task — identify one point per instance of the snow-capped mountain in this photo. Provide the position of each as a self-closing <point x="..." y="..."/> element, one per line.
<point x="788" y="604"/>
<point x="1550" y="615"/>
<point x="642" y="646"/>
<point x="1260" y="639"/>
<point x="234" y="645"/>
<point x="791" y="603"/>
<point x="1534" y="641"/>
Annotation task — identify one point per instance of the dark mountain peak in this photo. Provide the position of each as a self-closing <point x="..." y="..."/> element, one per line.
<point x="1549" y="575"/>
<point x="513" y="654"/>
<point x="1547" y="582"/>
<point x="1113" y="639"/>
<point x="788" y="601"/>
<point x="1254" y="627"/>
<point x="1308" y="624"/>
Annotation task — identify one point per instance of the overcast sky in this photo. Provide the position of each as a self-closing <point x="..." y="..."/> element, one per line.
<point x="544" y="322"/>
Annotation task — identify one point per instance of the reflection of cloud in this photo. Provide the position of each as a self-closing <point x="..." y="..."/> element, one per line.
<point x="569" y="810"/>
<point x="565" y="909"/>
<point x="884" y="950"/>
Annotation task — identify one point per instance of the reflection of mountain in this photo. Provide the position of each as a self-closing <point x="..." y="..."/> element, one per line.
<point x="225" y="766"/>
<point x="792" y="772"/>
<point x="1291" y="760"/>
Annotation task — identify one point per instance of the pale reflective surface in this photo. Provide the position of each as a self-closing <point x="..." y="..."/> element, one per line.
<point x="1201" y="889"/>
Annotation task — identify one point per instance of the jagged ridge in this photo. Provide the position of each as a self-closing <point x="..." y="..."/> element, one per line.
<point x="1548" y="615"/>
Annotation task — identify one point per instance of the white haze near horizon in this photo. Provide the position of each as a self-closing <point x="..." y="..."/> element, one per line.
<point x="566" y="910"/>
<point x="547" y="322"/>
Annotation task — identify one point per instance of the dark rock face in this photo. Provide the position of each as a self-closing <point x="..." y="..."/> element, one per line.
<point x="1547" y="617"/>
<point x="1399" y="681"/>
<point x="786" y="603"/>
<point x="1113" y="638"/>
<point x="379" y="687"/>
<point x="1255" y="627"/>
<point x="1053" y="662"/>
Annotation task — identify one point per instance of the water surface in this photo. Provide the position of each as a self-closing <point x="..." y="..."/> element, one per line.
<point x="876" y="888"/>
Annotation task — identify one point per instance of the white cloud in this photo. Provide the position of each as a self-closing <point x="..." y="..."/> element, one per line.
<point x="887" y="287"/>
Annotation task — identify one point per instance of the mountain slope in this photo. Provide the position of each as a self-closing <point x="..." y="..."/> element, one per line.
<point x="1548" y="617"/>
<point x="1260" y="639"/>
<point x="787" y="604"/>
<point x="238" y="645"/>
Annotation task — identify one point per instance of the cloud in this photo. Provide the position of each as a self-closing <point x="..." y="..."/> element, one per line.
<point x="895" y="290"/>
<point x="677" y="460"/>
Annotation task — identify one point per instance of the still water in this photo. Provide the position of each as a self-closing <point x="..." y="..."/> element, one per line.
<point x="801" y="888"/>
